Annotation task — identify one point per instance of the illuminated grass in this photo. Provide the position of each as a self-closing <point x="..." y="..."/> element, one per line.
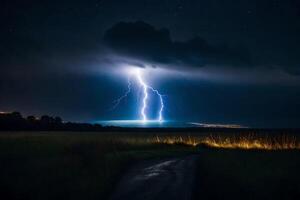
<point x="235" y="142"/>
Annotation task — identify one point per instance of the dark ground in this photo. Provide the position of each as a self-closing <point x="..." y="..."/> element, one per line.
<point x="215" y="174"/>
<point x="238" y="174"/>
<point x="171" y="178"/>
<point x="71" y="165"/>
<point x="60" y="165"/>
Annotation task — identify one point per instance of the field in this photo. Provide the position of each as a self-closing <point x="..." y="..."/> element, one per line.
<point x="62" y="165"/>
<point x="252" y="174"/>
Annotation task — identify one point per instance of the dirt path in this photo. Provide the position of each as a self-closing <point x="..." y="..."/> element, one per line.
<point x="161" y="179"/>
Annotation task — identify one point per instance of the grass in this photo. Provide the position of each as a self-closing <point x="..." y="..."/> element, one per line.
<point x="235" y="141"/>
<point x="70" y="165"/>
<point x="252" y="174"/>
<point x="62" y="165"/>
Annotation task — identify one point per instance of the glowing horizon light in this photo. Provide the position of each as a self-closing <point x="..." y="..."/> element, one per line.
<point x="137" y="73"/>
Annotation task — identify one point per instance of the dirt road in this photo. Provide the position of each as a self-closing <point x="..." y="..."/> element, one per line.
<point x="160" y="179"/>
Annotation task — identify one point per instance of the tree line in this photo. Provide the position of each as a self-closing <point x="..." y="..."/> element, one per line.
<point x="15" y="121"/>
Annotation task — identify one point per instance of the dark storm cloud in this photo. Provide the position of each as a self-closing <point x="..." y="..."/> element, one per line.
<point x="143" y="41"/>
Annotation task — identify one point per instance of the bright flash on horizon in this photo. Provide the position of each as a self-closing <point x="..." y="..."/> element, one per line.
<point x="138" y="75"/>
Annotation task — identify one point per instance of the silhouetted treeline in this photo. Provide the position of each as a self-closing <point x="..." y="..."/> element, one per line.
<point x="15" y="121"/>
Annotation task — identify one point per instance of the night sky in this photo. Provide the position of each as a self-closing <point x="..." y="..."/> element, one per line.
<point x="228" y="62"/>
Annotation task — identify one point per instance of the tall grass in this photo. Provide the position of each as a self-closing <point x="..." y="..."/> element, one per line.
<point x="249" y="141"/>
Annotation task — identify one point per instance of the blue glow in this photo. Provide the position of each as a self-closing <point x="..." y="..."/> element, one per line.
<point x="144" y="124"/>
<point x="143" y="111"/>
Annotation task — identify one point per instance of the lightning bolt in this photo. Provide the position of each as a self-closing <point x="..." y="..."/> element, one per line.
<point x="145" y="90"/>
<point x="160" y="116"/>
<point x="118" y="101"/>
<point x="145" y="87"/>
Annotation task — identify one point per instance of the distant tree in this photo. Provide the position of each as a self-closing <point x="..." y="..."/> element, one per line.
<point x="13" y="121"/>
<point x="31" y="118"/>
<point x="45" y="119"/>
<point x="97" y="126"/>
<point x="57" y="120"/>
<point x="16" y="116"/>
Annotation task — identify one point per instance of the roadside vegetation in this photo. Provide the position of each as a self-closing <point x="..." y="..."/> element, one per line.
<point x="252" y="174"/>
<point x="87" y="165"/>
<point x="51" y="165"/>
